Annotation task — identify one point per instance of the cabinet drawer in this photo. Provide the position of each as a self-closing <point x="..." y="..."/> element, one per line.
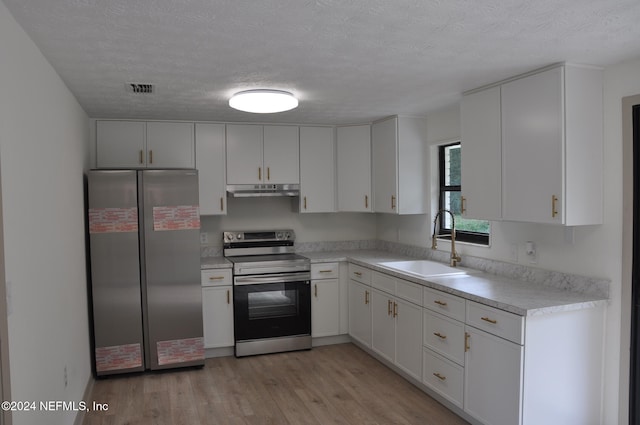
<point x="497" y="322"/>
<point x="447" y="304"/>
<point x="443" y="376"/>
<point x="409" y="291"/>
<point x="215" y="277"/>
<point x="383" y="282"/>
<point x="324" y="271"/>
<point x="444" y="336"/>
<point x="360" y="274"/>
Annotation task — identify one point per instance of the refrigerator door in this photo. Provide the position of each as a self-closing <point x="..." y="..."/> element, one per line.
<point x="115" y="272"/>
<point x="171" y="269"/>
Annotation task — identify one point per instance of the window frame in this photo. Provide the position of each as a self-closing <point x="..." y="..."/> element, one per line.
<point x="445" y="232"/>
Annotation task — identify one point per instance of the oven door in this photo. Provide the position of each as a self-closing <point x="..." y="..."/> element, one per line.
<point x="272" y="306"/>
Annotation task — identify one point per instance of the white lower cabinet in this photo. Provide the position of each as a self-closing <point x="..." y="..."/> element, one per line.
<point x="473" y="355"/>
<point x="360" y="312"/>
<point x="493" y="378"/>
<point x="217" y="308"/>
<point x="395" y="323"/>
<point x="325" y="300"/>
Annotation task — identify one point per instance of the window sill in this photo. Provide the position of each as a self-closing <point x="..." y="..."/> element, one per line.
<point x="463" y="242"/>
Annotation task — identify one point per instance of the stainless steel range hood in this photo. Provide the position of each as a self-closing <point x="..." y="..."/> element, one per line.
<point x="262" y="190"/>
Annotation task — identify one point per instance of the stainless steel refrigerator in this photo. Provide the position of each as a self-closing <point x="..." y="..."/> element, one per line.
<point x="145" y="269"/>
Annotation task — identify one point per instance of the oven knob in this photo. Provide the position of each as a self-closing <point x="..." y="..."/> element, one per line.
<point x="239" y="236"/>
<point x="279" y="235"/>
<point x="287" y="235"/>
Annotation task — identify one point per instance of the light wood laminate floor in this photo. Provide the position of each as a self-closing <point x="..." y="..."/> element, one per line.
<point x="337" y="384"/>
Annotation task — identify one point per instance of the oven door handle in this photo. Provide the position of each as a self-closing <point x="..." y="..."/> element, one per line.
<point x="272" y="278"/>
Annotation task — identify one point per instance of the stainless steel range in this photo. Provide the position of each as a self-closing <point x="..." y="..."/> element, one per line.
<point x="271" y="292"/>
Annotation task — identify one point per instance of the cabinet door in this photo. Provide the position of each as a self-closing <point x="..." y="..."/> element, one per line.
<point x="532" y="148"/>
<point x="120" y="144"/>
<point x="210" y="162"/>
<point x="281" y="155"/>
<point x="384" y="150"/>
<point x="170" y="145"/>
<point x="353" y="146"/>
<point x="481" y="150"/>
<point x="244" y="154"/>
<point x="325" y="307"/>
<point x="317" y="169"/>
<point x="217" y="313"/>
<point x="493" y="379"/>
<point x="408" y="318"/>
<point x="360" y="312"/>
<point x="383" y="337"/>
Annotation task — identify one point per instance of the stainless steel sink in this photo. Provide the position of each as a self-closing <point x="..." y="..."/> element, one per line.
<point x="423" y="268"/>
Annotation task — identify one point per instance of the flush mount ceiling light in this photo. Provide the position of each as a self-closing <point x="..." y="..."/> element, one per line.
<point x="262" y="101"/>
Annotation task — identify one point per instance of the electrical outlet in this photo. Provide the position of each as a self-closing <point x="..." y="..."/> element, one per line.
<point x="204" y="238"/>
<point x="66" y="381"/>
<point x="530" y="250"/>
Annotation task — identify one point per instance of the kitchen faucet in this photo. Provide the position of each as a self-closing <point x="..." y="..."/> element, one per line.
<point x="454" y="255"/>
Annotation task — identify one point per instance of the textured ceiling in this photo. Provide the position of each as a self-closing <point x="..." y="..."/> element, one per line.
<point x="348" y="61"/>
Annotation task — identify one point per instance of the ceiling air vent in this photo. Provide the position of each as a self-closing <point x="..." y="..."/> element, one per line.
<point x="140" y="88"/>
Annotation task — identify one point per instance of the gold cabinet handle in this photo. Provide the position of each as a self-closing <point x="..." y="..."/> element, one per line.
<point x="486" y="319"/>
<point x="216" y="278"/>
<point x="221" y="203"/>
<point x="325" y="271"/>
<point x="395" y="309"/>
<point x="305" y="202"/>
<point x="439" y="335"/>
<point x="357" y="274"/>
<point x="463" y="209"/>
<point x="554" y="209"/>
<point x="366" y="297"/>
<point x="228" y="297"/>
<point x="366" y="201"/>
<point x="467" y="335"/>
<point x="315" y="290"/>
<point x="141" y="159"/>
<point x="388" y="307"/>
<point x="393" y="202"/>
<point x="259" y="173"/>
<point x="268" y="173"/>
<point x="150" y="156"/>
<point x="440" y="377"/>
<point x="440" y="303"/>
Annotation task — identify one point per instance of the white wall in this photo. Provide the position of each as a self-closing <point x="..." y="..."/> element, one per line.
<point x="589" y="250"/>
<point x="271" y="213"/>
<point x="43" y="151"/>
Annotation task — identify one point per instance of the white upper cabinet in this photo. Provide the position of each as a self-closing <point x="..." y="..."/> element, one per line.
<point x="121" y="144"/>
<point x="353" y="144"/>
<point x="210" y="162"/>
<point x="552" y="147"/>
<point x="244" y="154"/>
<point x="259" y="154"/>
<point x="281" y="155"/>
<point x="317" y="169"/>
<point x="399" y="166"/>
<point x="138" y="144"/>
<point x="481" y="155"/>
<point x="547" y="128"/>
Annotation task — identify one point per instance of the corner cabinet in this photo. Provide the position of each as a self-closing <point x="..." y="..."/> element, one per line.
<point x="544" y="132"/>
<point x="139" y="144"/>
<point x="353" y="144"/>
<point x="400" y="160"/>
<point x="210" y="162"/>
<point x="259" y="154"/>
<point x="317" y="170"/>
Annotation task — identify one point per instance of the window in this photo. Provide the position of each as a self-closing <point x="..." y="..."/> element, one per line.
<point x="468" y="230"/>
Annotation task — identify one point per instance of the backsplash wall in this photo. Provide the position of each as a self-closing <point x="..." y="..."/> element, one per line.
<point x="278" y="213"/>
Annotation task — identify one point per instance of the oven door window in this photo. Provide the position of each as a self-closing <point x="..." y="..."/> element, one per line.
<point x="272" y="310"/>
